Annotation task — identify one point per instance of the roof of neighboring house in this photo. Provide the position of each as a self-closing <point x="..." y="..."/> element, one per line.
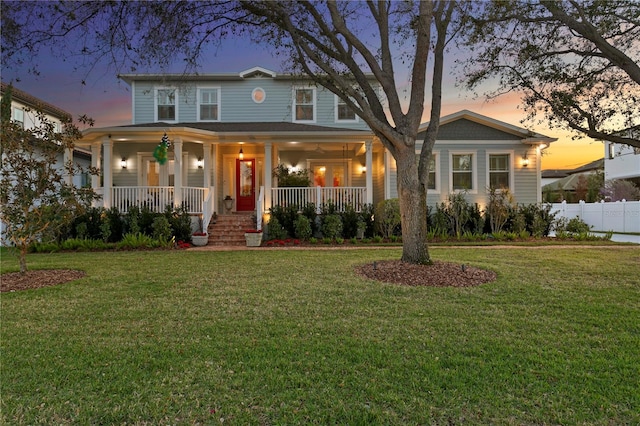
<point x="555" y="173"/>
<point x="568" y="183"/>
<point x="594" y="165"/>
<point x="35" y="103"/>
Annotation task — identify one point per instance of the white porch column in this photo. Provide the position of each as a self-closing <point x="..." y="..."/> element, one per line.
<point x="67" y="160"/>
<point x="268" y="180"/>
<point x="177" y="172"/>
<point x="214" y="180"/>
<point x="369" y="175"/>
<point x="95" y="163"/>
<point x="206" y="164"/>
<point x="108" y="171"/>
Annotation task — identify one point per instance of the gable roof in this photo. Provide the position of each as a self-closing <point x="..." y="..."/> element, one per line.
<point x="498" y="129"/>
<point x="35" y="103"/>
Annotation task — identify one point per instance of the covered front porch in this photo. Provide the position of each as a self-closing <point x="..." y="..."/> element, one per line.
<point x="210" y="171"/>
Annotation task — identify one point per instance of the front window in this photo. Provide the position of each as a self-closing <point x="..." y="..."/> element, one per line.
<point x="343" y="112"/>
<point x="166" y="101"/>
<point x="499" y="171"/>
<point x="431" y="182"/>
<point x="462" y="171"/>
<point x="208" y="104"/>
<point x="304" y="103"/>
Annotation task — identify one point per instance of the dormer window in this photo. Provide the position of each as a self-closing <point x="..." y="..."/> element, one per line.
<point x="18" y="116"/>
<point x="208" y="104"/>
<point x="304" y="102"/>
<point x="166" y="101"/>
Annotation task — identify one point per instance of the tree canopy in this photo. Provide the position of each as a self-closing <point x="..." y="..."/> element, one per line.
<point x="577" y="63"/>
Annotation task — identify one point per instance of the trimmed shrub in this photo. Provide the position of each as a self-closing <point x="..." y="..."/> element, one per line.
<point x="388" y="217"/>
<point x="332" y="226"/>
<point x="303" y="228"/>
<point x="275" y="231"/>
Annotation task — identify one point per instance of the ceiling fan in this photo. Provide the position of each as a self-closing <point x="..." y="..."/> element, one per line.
<point x="319" y="150"/>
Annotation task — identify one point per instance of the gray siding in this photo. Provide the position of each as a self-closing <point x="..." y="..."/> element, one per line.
<point x="464" y="129"/>
<point x="236" y="104"/>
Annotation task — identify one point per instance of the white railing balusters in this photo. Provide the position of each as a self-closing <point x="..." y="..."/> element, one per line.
<point x="340" y="197"/>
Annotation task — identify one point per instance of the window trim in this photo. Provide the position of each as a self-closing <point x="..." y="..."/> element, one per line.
<point x="198" y="103"/>
<point x="294" y="103"/>
<point x="511" y="154"/>
<point x="474" y="171"/>
<point x="436" y="159"/>
<point x="337" y="102"/>
<point x="14" y="113"/>
<point x="155" y="103"/>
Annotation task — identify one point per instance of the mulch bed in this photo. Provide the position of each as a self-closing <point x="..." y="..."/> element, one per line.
<point x="439" y="274"/>
<point x="15" y="281"/>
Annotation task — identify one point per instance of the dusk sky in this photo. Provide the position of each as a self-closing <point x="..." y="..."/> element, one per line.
<point x="108" y="100"/>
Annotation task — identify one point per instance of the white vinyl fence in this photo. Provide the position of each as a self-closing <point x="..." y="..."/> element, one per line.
<point x="619" y="216"/>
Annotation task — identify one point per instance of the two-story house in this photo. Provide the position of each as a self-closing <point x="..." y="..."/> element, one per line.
<point x="228" y="132"/>
<point x="622" y="161"/>
<point x="24" y="111"/>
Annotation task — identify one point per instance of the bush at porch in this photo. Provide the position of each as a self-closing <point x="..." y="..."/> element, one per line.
<point x="456" y="218"/>
<point x="110" y="226"/>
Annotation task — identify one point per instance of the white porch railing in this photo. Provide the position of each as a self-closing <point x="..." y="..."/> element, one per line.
<point x="259" y="209"/>
<point x="340" y="197"/>
<point x="157" y="198"/>
<point x="207" y="209"/>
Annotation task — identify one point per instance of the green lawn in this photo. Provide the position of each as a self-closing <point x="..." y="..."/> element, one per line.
<point x="293" y="337"/>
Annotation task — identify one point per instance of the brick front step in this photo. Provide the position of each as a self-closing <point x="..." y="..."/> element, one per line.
<point x="229" y="229"/>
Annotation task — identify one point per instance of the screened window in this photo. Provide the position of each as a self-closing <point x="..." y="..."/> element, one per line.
<point x="344" y="113"/>
<point x="499" y="171"/>
<point x="166" y="100"/>
<point x="462" y="171"/>
<point x="304" y="105"/>
<point x="209" y="104"/>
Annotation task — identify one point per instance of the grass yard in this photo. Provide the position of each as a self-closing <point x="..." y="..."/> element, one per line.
<point x="295" y="337"/>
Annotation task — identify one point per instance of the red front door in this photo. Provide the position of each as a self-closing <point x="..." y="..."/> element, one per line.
<point x="245" y="185"/>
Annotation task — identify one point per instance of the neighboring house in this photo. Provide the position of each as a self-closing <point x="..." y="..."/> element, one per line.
<point x="564" y="189"/>
<point x="622" y="161"/>
<point x="229" y="131"/>
<point x="23" y="111"/>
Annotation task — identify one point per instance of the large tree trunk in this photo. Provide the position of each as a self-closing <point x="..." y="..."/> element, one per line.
<point x="412" y="195"/>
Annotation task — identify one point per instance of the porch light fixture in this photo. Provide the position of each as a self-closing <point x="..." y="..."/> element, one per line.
<point x="241" y="154"/>
<point x="199" y="162"/>
<point x="363" y="169"/>
<point x="525" y="160"/>
<point x="123" y="163"/>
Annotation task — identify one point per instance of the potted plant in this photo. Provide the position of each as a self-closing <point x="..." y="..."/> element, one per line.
<point x="228" y="203"/>
<point x="253" y="237"/>
<point x="200" y="238"/>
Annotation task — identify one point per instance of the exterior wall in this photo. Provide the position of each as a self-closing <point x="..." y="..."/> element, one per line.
<point x="524" y="180"/>
<point x="236" y="103"/>
<point x="621" y="161"/>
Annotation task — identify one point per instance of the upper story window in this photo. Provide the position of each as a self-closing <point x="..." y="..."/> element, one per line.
<point x="499" y="171"/>
<point x="166" y="104"/>
<point x="462" y="173"/>
<point x="18" y="116"/>
<point x="208" y="104"/>
<point x="304" y="104"/>
<point x="343" y="112"/>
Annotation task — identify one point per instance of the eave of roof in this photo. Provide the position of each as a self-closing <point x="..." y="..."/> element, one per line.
<point x="35" y="102"/>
